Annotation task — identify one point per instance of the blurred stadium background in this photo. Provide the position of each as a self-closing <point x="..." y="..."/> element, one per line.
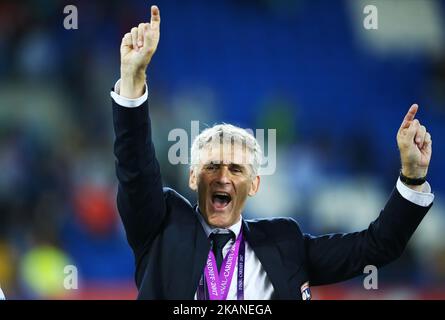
<point x="335" y="92"/>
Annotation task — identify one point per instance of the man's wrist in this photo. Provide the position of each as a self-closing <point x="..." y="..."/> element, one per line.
<point x="414" y="172"/>
<point x="414" y="181"/>
<point x="132" y="84"/>
<point x="126" y="102"/>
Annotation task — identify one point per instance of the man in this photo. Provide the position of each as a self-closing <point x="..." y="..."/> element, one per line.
<point x="208" y="251"/>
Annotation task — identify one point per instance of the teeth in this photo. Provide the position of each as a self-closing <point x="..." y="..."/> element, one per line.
<point x="221" y="194"/>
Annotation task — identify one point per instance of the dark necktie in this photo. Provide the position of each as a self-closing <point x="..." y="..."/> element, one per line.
<point x="219" y="240"/>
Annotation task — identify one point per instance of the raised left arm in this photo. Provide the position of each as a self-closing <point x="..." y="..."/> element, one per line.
<point x="415" y="146"/>
<point x="337" y="257"/>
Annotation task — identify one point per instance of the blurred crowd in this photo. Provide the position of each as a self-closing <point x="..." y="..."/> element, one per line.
<point x="335" y="92"/>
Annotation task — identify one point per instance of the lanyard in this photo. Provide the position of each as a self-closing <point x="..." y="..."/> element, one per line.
<point x="214" y="286"/>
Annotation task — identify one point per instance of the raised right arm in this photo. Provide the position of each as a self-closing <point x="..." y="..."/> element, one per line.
<point x="140" y="198"/>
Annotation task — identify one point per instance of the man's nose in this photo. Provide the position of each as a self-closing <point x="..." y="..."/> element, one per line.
<point x="223" y="175"/>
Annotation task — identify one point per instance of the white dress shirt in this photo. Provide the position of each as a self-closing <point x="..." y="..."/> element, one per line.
<point x="257" y="285"/>
<point x="2" y="296"/>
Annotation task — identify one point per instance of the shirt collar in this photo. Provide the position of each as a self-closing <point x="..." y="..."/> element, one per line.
<point x="235" y="228"/>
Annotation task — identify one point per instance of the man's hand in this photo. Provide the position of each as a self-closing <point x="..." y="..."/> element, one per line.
<point x="415" y="146"/>
<point x="137" y="49"/>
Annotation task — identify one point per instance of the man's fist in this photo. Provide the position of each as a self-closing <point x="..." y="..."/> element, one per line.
<point x="137" y="49"/>
<point x="415" y="145"/>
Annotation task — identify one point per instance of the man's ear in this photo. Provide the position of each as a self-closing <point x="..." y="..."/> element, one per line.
<point x="254" y="186"/>
<point x="193" y="180"/>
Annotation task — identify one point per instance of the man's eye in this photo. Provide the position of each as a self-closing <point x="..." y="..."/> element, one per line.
<point x="237" y="170"/>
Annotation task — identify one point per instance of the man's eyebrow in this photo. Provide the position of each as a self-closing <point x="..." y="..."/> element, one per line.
<point x="237" y="165"/>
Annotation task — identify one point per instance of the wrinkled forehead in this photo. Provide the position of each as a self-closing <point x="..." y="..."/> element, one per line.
<point x="226" y="152"/>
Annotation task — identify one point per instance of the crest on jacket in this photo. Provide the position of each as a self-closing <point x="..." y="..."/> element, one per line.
<point x="306" y="291"/>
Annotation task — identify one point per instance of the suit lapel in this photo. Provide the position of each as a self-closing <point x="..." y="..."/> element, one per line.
<point x="202" y="248"/>
<point x="270" y="259"/>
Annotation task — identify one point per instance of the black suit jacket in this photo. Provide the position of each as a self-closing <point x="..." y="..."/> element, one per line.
<point x="171" y="248"/>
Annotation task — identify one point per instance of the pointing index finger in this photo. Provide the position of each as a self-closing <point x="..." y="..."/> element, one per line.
<point x="409" y="116"/>
<point x="155" y="17"/>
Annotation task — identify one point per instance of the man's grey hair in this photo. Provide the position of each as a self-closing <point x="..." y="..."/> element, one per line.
<point x="228" y="134"/>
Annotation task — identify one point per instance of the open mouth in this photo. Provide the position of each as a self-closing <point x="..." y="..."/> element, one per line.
<point x="221" y="200"/>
